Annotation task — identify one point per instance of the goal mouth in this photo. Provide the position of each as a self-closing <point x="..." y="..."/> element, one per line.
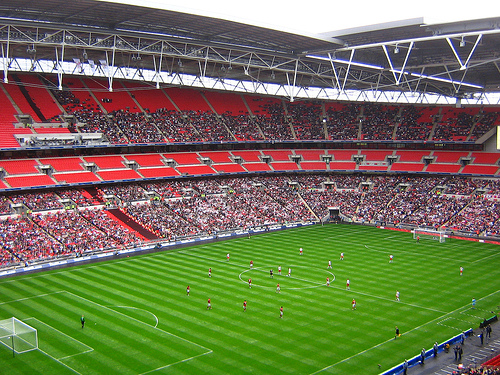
<point x="426" y="234"/>
<point x="18" y="336"/>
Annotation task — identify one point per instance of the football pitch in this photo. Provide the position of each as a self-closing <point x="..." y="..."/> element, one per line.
<point x="140" y="320"/>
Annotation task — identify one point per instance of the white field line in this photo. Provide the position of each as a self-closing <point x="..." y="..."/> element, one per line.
<point x="90" y="349"/>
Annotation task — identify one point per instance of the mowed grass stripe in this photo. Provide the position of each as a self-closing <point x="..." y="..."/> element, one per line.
<point x="318" y="330"/>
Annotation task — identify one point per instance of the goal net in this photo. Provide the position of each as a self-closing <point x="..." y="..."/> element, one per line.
<point x="18" y="336"/>
<point x="426" y="234"/>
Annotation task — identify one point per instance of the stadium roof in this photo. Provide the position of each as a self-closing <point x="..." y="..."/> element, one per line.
<point x="456" y="60"/>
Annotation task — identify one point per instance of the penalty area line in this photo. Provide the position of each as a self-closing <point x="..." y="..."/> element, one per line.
<point x="136" y="308"/>
<point x="139" y="321"/>
<point x="90" y="349"/>
<point x="175" y="363"/>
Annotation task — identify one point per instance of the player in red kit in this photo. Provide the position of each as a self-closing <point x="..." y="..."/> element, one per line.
<point x="353" y="304"/>
<point x="327" y="281"/>
<point x="281" y="312"/>
<point x="210" y="272"/>
<point x="348" y="284"/>
<point x="245" y="305"/>
<point x="251" y="264"/>
<point x="249" y="283"/>
<point x="209" y="305"/>
<point x="278" y="288"/>
<point x="188" y="289"/>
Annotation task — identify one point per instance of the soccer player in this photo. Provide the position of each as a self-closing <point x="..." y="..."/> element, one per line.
<point x="391" y="257"/>
<point x="279" y="270"/>
<point x="301" y="251"/>
<point x="188" y="289"/>
<point x="397" y="295"/>
<point x="329" y="264"/>
<point x="271" y="274"/>
<point x="245" y="305"/>
<point x="209" y="305"/>
<point x="418" y="239"/>
<point x="348" y="285"/>
<point x="251" y="264"/>
<point x="249" y="283"/>
<point x="210" y="272"/>
<point x="227" y="257"/>
<point x="327" y="281"/>
<point x="473" y="303"/>
<point x="461" y="270"/>
<point x="341" y="256"/>
<point x="289" y="271"/>
<point x="281" y="312"/>
<point x="82" y="320"/>
<point x="278" y="289"/>
<point x="396" y="334"/>
<point x="353" y="304"/>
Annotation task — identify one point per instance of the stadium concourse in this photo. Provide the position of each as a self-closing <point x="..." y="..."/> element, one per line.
<point x="474" y="356"/>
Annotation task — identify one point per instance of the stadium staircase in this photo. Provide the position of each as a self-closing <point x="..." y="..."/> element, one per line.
<point x="93" y="194"/>
<point x="30" y="101"/>
<point x="127" y="221"/>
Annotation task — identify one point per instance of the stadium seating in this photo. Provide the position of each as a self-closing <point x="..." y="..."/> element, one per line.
<point x="63" y="164"/>
<point x="148" y="97"/>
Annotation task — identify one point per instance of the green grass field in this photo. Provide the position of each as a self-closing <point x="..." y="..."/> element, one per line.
<point x="139" y="319"/>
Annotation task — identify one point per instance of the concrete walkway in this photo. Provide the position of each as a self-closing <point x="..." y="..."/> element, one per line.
<point x="473" y="354"/>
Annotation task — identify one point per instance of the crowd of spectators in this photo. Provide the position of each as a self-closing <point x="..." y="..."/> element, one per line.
<point x="343" y="124"/>
<point x="123" y="192"/>
<point x="478" y="370"/>
<point x="411" y="126"/>
<point x="191" y="207"/>
<point x="38" y="201"/>
<point x="486" y="121"/>
<point x="454" y="125"/>
<point x="76" y="196"/>
<point x="175" y="126"/>
<point x="278" y="121"/>
<point x="137" y="127"/>
<point x="243" y="127"/>
<point x="24" y="241"/>
<point x="378" y="121"/>
<point x="306" y="120"/>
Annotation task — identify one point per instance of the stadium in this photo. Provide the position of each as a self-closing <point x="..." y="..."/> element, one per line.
<point x="182" y="193"/>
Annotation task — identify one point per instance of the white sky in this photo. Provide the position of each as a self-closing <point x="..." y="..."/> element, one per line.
<point x="317" y="16"/>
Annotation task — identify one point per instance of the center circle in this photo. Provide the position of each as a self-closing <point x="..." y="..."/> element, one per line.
<point x="284" y="277"/>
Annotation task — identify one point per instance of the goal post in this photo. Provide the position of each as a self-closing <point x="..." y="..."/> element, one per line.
<point x="18" y="336"/>
<point x="426" y="234"/>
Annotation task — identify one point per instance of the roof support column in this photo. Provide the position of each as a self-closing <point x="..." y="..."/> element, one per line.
<point x="5" y="57"/>
<point x="292" y="86"/>
<point x="59" y="62"/>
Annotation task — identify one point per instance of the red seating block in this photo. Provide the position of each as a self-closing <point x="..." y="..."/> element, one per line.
<point x="248" y="156"/>
<point x="29" y="181"/>
<point x="25" y="166"/>
<point x="147" y="160"/>
<point x="158" y="172"/>
<point x="63" y="164"/>
<point x="76" y="177"/>
<point x="122" y="174"/>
